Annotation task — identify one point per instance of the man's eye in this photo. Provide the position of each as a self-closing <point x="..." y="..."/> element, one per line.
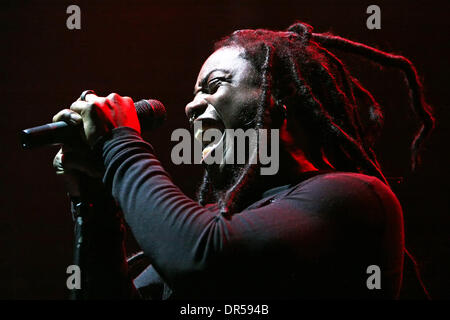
<point x="214" y="84"/>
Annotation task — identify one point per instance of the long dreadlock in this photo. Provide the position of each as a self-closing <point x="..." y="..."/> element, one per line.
<point x="297" y="68"/>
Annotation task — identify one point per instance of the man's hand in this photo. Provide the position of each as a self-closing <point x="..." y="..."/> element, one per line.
<point x="95" y="117"/>
<point x="100" y="115"/>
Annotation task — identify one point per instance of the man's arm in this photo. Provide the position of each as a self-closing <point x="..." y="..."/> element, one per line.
<point x="198" y="252"/>
<point x="195" y="249"/>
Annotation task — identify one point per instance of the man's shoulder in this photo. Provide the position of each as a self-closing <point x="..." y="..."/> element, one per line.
<point x="341" y="183"/>
<point x="346" y="192"/>
<point x="340" y="176"/>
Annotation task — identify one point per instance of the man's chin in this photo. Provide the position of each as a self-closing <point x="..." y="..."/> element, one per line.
<point x="223" y="176"/>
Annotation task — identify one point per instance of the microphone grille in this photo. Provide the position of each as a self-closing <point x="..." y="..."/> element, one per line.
<point x="151" y="113"/>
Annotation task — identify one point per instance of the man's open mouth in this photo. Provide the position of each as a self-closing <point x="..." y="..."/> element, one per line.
<point x="212" y="141"/>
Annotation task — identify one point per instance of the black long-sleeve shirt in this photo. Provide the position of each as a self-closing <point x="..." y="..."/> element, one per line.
<point x="312" y="239"/>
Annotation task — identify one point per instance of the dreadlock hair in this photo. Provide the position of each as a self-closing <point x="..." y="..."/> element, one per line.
<point x="297" y="69"/>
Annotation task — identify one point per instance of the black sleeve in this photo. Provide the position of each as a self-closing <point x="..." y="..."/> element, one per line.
<point x="193" y="248"/>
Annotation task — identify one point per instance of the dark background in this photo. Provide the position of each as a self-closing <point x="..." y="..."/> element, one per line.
<point x="154" y="49"/>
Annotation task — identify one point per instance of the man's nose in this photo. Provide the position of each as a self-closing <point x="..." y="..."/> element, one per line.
<point x="195" y="108"/>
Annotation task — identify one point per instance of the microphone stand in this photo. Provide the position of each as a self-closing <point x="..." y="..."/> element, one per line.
<point x="93" y="205"/>
<point x="81" y="208"/>
<point x="79" y="215"/>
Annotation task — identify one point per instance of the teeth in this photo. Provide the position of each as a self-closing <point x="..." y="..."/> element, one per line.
<point x="209" y="148"/>
<point x="198" y="135"/>
<point x="206" y="151"/>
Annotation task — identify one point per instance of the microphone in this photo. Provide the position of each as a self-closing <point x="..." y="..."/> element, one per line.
<point x="151" y="114"/>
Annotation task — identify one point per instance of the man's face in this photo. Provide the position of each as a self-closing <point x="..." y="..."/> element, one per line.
<point x="225" y="95"/>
